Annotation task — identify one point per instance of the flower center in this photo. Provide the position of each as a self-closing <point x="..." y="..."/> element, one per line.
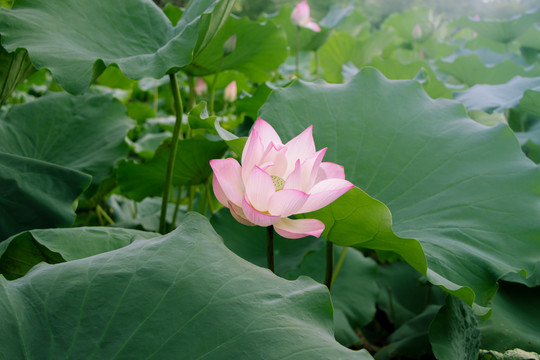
<point x="279" y="183"/>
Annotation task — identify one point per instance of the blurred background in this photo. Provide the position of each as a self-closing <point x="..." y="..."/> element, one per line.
<point x="378" y="10"/>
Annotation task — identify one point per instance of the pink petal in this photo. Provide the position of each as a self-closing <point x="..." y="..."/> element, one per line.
<point x="287" y="202"/>
<point x="238" y="214"/>
<point x="266" y="132"/>
<point x="329" y="170"/>
<point x="259" y="189"/>
<point x="294" y="180"/>
<point x="257" y="217"/>
<point x="313" y="26"/>
<point x="275" y="160"/>
<point x="252" y="154"/>
<point x="227" y="172"/>
<point x="298" y="228"/>
<point x="300" y="13"/>
<point x="310" y="169"/>
<point x="324" y="193"/>
<point x="218" y="191"/>
<point x="301" y="146"/>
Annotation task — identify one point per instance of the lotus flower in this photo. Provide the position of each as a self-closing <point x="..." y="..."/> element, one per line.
<point x="417" y="32"/>
<point x="201" y="88"/>
<point x="230" y="92"/>
<point x="276" y="181"/>
<point x="300" y="17"/>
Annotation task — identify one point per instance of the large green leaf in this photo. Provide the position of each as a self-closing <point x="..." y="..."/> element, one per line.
<point x="14" y="68"/>
<point x="395" y="70"/>
<point x="411" y="339"/>
<point x="181" y="295"/>
<point x="77" y="39"/>
<point x="36" y="194"/>
<point x="84" y="133"/>
<point x="192" y="167"/>
<point x="309" y="40"/>
<point x="342" y="48"/>
<point x="354" y="291"/>
<point x="404" y="293"/>
<point x="501" y="30"/>
<point x="405" y="22"/>
<point x="500" y="97"/>
<point x="260" y="49"/>
<point x="249" y="242"/>
<point x="530" y="38"/>
<point x="465" y="191"/>
<point x="454" y="333"/>
<point x="516" y="315"/>
<point x="471" y="70"/>
<point x="21" y="252"/>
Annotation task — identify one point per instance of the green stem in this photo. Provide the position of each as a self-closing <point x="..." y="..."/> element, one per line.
<point x="106" y="216"/>
<point x="178" y="107"/>
<point x="156" y="98"/>
<point x="391" y="305"/>
<point x="297" y="51"/>
<point x="175" y="214"/>
<point x="209" y="198"/>
<point x="213" y="87"/>
<point x="329" y="264"/>
<point x="100" y="219"/>
<point x="190" y="198"/>
<point x="270" y="247"/>
<point x="202" y="201"/>
<point x="317" y="72"/>
<point x="191" y="84"/>
<point x="339" y="264"/>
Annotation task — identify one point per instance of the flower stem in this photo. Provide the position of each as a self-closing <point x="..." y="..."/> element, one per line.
<point x="175" y="214"/>
<point x="270" y="247"/>
<point x="213" y="87"/>
<point x="329" y="264"/>
<point x="317" y="72"/>
<point x="202" y="200"/>
<point x="297" y="52"/>
<point x="190" y="198"/>
<point x="191" y="84"/>
<point x="209" y="198"/>
<point x="338" y="265"/>
<point x="106" y="216"/>
<point x="178" y="107"/>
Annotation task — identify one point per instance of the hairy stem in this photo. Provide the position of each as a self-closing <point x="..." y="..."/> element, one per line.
<point x="270" y="247"/>
<point x="329" y="264"/>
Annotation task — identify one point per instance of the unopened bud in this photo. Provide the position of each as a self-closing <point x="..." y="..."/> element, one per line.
<point x="201" y="88"/>
<point x="230" y="92"/>
<point x="229" y="45"/>
<point x="417" y="32"/>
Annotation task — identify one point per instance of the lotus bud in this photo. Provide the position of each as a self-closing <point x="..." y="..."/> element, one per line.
<point x="417" y="32"/>
<point x="201" y="88"/>
<point x="229" y="45"/>
<point x="230" y="92"/>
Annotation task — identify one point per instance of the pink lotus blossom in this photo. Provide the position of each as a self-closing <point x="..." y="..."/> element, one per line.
<point x="276" y="181"/>
<point x="201" y="88"/>
<point x="417" y="32"/>
<point x="230" y="92"/>
<point x="300" y="17"/>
